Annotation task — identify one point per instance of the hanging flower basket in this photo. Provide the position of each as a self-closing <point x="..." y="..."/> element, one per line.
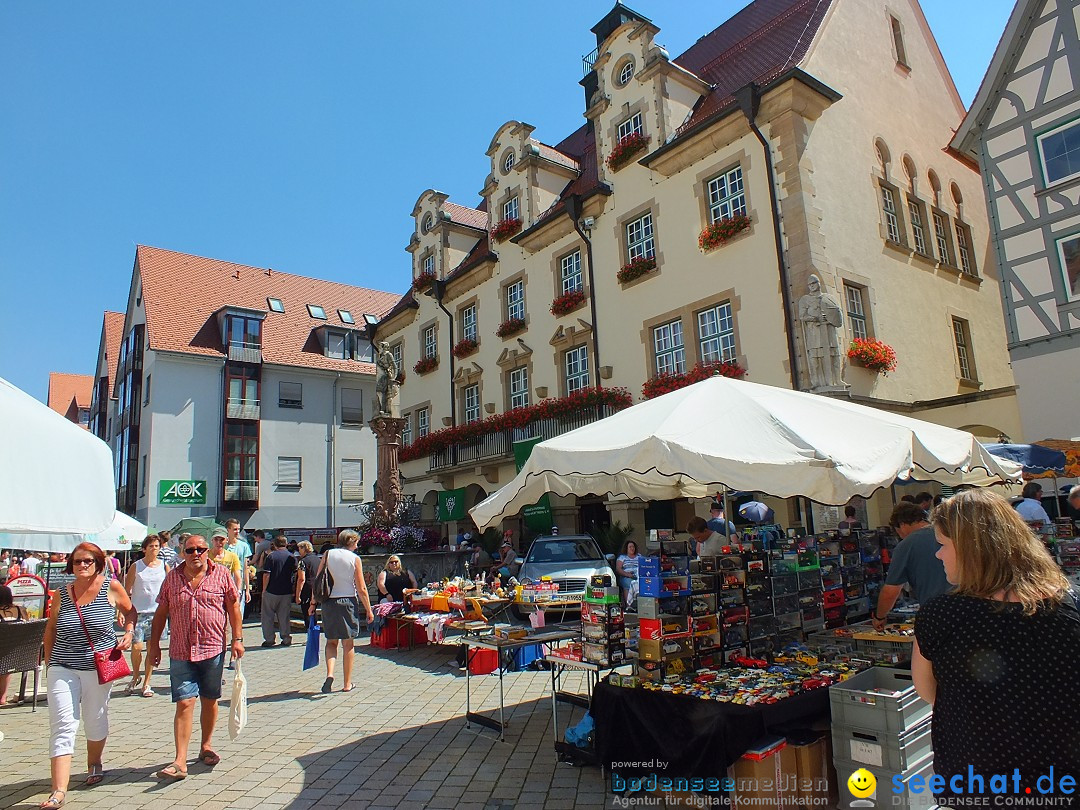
<point x="636" y="269"/>
<point x="567" y="302"/>
<point x="426" y="364"/>
<point x="666" y="383"/>
<point x="465" y="346"/>
<point x="423" y="280"/>
<point x="510" y="327"/>
<point x="505" y="229"/>
<point x="625" y="149"/>
<point x="722" y="230"/>
<point x="873" y="354"/>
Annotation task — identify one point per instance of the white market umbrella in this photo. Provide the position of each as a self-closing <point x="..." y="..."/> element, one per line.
<point x="729" y="433"/>
<point x="55" y="477"/>
<point x="123" y="534"/>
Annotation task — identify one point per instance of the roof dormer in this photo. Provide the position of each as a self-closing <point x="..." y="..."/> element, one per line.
<point x="445" y="233"/>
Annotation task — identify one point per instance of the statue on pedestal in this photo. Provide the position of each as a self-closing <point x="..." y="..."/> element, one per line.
<point x="821" y="318"/>
<point x="387" y="432"/>
<point x="386" y="383"/>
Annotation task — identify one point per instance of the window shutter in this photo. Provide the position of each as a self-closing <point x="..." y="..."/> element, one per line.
<point x="288" y="471"/>
<point x="352" y="406"/>
<point x="352" y="479"/>
<point x="290" y="395"/>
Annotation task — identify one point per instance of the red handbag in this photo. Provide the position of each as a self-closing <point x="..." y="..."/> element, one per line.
<point x="111" y="665"/>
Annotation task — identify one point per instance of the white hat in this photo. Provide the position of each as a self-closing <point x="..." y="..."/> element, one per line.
<point x="468" y="535"/>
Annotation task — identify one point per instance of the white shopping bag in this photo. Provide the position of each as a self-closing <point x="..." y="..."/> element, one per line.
<point x="238" y="704"/>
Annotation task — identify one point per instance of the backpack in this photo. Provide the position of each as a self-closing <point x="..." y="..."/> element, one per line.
<point x="323" y="585"/>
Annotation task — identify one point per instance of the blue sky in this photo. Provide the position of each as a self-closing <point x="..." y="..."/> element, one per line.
<point x="290" y="135"/>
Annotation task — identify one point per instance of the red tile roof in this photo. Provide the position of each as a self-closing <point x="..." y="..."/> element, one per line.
<point x="470" y="217"/>
<point x="69" y="392"/>
<point x="554" y="155"/>
<point x="183" y="293"/>
<point x="114" y="335"/>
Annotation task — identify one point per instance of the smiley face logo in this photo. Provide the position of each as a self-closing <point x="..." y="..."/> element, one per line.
<point x="862" y="783"/>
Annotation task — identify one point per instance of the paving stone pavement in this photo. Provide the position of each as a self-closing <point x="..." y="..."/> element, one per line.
<point x="398" y="740"/>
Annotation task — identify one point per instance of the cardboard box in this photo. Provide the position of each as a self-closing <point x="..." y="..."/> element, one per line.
<point x="767" y="776"/>
<point x="665" y="649"/>
<point x="817" y="785"/>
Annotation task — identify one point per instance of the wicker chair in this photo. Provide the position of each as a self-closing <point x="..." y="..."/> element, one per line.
<point x="20" y="651"/>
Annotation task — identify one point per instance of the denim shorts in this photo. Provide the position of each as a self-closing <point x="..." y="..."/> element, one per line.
<point x="142" y="628"/>
<point x="196" y="678"/>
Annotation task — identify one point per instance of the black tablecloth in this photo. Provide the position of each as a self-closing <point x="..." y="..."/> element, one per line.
<point x="696" y="738"/>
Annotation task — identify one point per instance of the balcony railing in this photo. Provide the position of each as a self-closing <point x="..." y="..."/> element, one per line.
<point x="242" y="408"/>
<point x="241" y="490"/>
<point x="245" y="352"/>
<point x="351" y="491"/>
<point x="500" y="443"/>
<point x="588" y="60"/>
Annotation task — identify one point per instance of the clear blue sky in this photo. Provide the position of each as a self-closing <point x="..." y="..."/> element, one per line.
<point x="290" y="135"/>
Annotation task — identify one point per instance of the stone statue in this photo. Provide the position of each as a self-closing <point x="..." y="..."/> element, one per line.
<point x="821" y="318"/>
<point x="386" y="383"/>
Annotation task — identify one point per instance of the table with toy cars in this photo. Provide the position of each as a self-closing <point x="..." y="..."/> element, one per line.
<point x="558" y="666"/>
<point x="697" y="738"/>
<point x="550" y="635"/>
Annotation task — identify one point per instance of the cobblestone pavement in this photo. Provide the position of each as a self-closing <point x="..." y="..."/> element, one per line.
<point x="397" y="740"/>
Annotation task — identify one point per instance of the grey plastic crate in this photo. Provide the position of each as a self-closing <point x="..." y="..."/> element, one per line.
<point x="879" y="699"/>
<point x="827" y="639"/>
<point x="876" y="648"/>
<point x="879" y="750"/>
<point x="884" y="795"/>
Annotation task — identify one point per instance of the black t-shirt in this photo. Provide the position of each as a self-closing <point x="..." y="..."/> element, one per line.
<point x="1008" y="689"/>
<point x="310" y="566"/>
<point x="281" y="565"/>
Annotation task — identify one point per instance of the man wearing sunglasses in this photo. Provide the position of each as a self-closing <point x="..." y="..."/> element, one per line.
<point x="199" y="598"/>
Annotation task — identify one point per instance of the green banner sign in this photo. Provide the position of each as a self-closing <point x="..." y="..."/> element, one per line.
<point x="451" y="505"/>
<point x="181" y="493"/>
<point x="538" y="516"/>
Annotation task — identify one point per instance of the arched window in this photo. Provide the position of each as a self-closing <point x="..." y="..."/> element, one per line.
<point x="910" y="172"/>
<point x="935" y="186"/>
<point x="884" y="158"/>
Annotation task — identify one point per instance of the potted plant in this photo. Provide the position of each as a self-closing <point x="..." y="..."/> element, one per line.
<point x="465" y="346"/>
<point x="511" y="326"/>
<point x="719" y="232"/>
<point x="567" y="302"/>
<point x="626" y="149"/>
<point x="505" y="229"/>
<point x="636" y="268"/>
<point x="426" y="364"/>
<point x="423" y="280"/>
<point x="872" y="354"/>
<point x="666" y="383"/>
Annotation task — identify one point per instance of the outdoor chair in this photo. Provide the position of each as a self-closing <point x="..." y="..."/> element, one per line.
<point x="20" y="652"/>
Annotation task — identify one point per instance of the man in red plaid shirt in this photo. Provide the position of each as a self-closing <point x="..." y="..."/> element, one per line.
<point x="196" y="598"/>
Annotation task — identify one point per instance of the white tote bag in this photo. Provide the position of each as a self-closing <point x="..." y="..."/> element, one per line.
<point x="238" y="704"/>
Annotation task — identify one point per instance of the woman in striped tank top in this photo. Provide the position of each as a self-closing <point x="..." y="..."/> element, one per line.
<point x="74" y="691"/>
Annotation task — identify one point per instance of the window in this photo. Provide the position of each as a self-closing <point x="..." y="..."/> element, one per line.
<point x="425" y="223"/>
<point x="898" y="41"/>
<point x="511" y="209"/>
<point x="335" y="345"/>
<point x="519" y="387"/>
<point x="577" y="369"/>
<point x="570" y="272"/>
<point x="406" y="430"/>
<point x="146" y="394"/>
<point x="429" y="264"/>
<point x="288" y="471"/>
<point x="1060" y="152"/>
<point x="888" y="207"/>
<point x="515" y="300"/>
<point x="668" y="348"/>
<point x="243" y="332"/>
<point x="508" y="162"/>
<point x="856" y="311"/>
<point x="84" y="413"/>
<point x="963" y="249"/>
<point x="964" y="359"/>
<point x="315" y="311"/>
<point x="145" y="470"/>
<point x="471" y="396"/>
<point x="395" y="350"/>
<point x="362" y="349"/>
<point x="1069" y="254"/>
<point x="631" y="126"/>
<point x="716" y="334"/>
<point x="941" y="236"/>
<point x="423" y="422"/>
<point x="241" y="461"/>
<point x="468" y="322"/>
<point x="639" y="238"/>
<point x="352" y="406"/>
<point x="726" y="195"/>
<point x="290" y="395"/>
<point x="431" y="345"/>
<point x="346" y="316"/>
<point x="626" y="73"/>
<point x="918" y="234"/>
<point x="275" y="304"/>
<point x="352" y="479"/>
<point x="242" y="387"/>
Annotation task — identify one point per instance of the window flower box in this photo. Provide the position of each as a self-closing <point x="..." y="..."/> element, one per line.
<point x="423" y="281"/>
<point x="625" y="149"/>
<point x="872" y="354"/>
<point x="426" y="364"/>
<point x="465" y="347"/>
<point x="721" y="231"/>
<point x="505" y="229"/>
<point x="567" y="302"/>
<point x="510" y="327"/>
<point x="666" y="383"/>
<point x="636" y="268"/>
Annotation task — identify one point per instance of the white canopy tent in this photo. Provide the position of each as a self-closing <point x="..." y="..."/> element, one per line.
<point x="56" y="477"/>
<point x="725" y="433"/>
<point x="123" y="534"/>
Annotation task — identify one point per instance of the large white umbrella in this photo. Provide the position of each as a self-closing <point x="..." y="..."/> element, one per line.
<point x="123" y="534"/>
<point x="741" y="435"/>
<point x="55" y="477"/>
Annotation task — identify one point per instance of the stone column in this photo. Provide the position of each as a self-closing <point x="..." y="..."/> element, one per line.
<point x="629" y="513"/>
<point x="387" y="432"/>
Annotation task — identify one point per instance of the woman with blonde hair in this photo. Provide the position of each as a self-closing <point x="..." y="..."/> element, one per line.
<point x="999" y="657"/>
<point x="394" y="580"/>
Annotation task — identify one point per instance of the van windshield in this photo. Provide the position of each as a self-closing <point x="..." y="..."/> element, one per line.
<point x="564" y="549"/>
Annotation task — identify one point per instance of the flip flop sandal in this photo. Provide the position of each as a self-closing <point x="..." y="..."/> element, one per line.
<point x="96" y="776"/>
<point x="209" y="758"/>
<point x="327" y="686"/>
<point x="148" y="692"/>
<point x="53" y="802"/>
<point x="171" y="773"/>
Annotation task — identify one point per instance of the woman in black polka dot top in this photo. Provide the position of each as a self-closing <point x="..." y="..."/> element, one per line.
<point x="999" y="658"/>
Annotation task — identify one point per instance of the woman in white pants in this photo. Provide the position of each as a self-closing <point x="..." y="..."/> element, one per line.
<point x="74" y="691"/>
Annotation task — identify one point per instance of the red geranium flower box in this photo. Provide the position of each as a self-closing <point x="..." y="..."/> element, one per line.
<point x="423" y="280"/>
<point x="666" y="383"/>
<point x="626" y="149"/>
<point x="722" y="230"/>
<point x="464" y="347"/>
<point x="505" y="229"/>
<point x="636" y="268"/>
<point x="426" y="364"/>
<point x="510" y="327"/>
<point x="567" y="302"/>
<point x="873" y="354"/>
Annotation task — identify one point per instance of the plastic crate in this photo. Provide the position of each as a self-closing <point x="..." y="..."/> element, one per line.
<point x="890" y="751"/>
<point x="881" y="699"/>
<point x="884" y="796"/>
<point x="876" y="648"/>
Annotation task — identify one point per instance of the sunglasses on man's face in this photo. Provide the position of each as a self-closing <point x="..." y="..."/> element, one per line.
<point x="196" y="550"/>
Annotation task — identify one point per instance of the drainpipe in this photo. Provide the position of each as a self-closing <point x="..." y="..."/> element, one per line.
<point x="437" y="290"/>
<point x="574" y="207"/>
<point x="221" y="436"/>
<point x="332" y="460"/>
<point x="748" y="99"/>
